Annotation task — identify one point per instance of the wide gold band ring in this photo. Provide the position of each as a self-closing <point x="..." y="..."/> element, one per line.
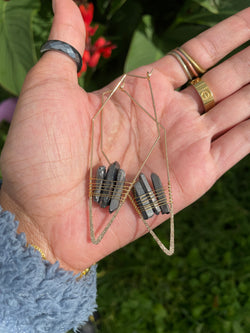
<point x="205" y="93"/>
<point x="188" y="64"/>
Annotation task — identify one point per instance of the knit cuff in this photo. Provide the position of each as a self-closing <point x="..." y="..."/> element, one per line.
<point x="35" y="295"/>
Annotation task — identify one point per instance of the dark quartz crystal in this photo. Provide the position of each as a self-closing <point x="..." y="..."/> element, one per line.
<point x="117" y="191"/>
<point x="100" y="175"/>
<point x="108" y="184"/>
<point x="150" y="194"/>
<point x="160" y="194"/>
<point x="142" y="201"/>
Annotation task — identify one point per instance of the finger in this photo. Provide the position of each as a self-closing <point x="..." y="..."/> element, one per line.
<point x="230" y="112"/>
<point x="68" y="26"/>
<point x="231" y="147"/>
<point x="208" y="47"/>
<point x="225" y="79"/>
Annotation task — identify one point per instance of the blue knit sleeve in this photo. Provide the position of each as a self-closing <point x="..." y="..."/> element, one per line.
<point x="35" y="295"/>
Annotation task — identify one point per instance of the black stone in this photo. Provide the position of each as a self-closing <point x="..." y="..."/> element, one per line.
<point x="160" y="194"/>
<point x="108" y="184"/>
<point x="117" y="191"/>
<point x="150" y="194"/>
<point x="100" y="175"/>
<point x="142" y="201"/>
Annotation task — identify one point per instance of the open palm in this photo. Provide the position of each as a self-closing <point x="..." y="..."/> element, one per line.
<point x="45" y="161"/>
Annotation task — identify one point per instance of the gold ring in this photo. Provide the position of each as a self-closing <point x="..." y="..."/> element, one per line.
<point x="189" y="65"/>
<point x="205" y="93"/>
<point x="192" y="70"/>
<point x="198" y="68"/>
<point x="182" y="63"/>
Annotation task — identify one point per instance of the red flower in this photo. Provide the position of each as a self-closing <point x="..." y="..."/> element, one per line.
<point x="87" y="15"/>
<point x="101" y="47"/>
<point x="104" y="47"/>
<point x="85" y="60"/>
<point x="94" y="59"/>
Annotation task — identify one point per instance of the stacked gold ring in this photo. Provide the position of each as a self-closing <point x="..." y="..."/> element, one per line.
<point x="189" y="65"/>
<point x="196" y="66"/>
<point x="182" y="63"/>
<point x="193" y="71"/>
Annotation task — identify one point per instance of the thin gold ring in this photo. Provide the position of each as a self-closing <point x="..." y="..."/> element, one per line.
<point x="205" y="93"/>
<point x="192" y="70"/>
<point x="189" y="65"/>
<point x="182" y="63"/>
<point x="198" y="68"/>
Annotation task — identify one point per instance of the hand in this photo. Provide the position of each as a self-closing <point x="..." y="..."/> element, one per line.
<point x="45" y="161"/>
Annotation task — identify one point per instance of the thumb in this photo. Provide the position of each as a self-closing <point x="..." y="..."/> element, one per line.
<point x="68" y="26"/>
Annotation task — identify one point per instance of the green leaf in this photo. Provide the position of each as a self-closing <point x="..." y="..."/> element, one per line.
<point x="237" y="327"/>
<point x="211" y="5"/>
<point x="142" y="50"/>
<point x="17" y="52"/>
<point x="102" y="5"/>
<point x="209" y="12"/>
<point x="115" y="5"/>
<point x="109" y="6"/>
<point x="4" y="127"/>
<point x="179" y="35"/>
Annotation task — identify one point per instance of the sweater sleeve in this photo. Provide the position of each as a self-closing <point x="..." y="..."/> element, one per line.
<point x="35" y="295"/>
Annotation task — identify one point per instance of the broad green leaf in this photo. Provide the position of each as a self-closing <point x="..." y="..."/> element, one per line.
<point x="210" y="12"/>
<point x="102" y="5"/>
<point x="172" y="38"/>
<point x="115" y="5"/>
<point x="17" y="52"/>
<point x="238" y="328"/>
<point x="211" y="5"/>
<point x="142" y="50"/>
<point x="109" y="5"/>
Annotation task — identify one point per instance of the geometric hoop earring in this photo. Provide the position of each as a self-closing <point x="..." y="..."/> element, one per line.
<point x="112" y="190"/>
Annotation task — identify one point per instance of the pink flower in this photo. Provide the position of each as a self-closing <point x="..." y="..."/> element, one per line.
<point x="7" y="108"/>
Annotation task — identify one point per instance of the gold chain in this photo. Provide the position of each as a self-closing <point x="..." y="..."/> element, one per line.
<point x="84" y="272"/>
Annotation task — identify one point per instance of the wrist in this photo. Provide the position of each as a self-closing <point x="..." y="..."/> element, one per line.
<point x="26" y="225"/>
<point x="34" y="233"/>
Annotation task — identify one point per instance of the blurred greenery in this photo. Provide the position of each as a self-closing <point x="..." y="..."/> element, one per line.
<point x="17" y="52"/>
<point x="205" y="286"/>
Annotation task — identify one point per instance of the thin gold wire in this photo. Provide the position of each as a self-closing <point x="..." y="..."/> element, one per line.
<point x="169" y="251"/>
<point x="158" y="192"/>
<point x="124" y="190"/>
<point x="106" y="157"/>
<point x="95" y="240"/>
<point x="144" y="199"/>
<point x="135" y="206"/>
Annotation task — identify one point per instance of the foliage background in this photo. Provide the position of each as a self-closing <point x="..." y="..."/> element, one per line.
<point x="205" y="286"/>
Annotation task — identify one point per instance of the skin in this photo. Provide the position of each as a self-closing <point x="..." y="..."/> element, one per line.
<point x="45" y="160"/>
